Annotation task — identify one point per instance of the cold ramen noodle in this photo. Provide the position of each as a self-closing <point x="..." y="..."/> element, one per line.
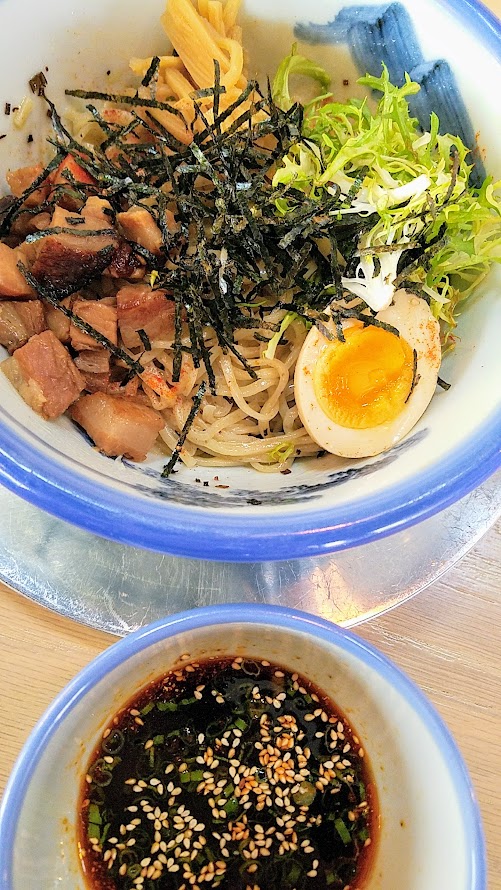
<point x="228" y="773"/>
<point x="212" y="271"/>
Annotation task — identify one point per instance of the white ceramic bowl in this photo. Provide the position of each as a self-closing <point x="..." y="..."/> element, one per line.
<point x="431" y="836"/>
<point x="324" y="505"/>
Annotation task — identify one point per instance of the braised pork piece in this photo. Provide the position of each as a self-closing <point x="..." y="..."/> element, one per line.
<point x="71" y="291"/>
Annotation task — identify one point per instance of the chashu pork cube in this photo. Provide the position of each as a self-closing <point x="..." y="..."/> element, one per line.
<point x="118" y="425"/>
<point x="96" y="382"/>
<point x="100" y="381"/>
<point x="28" y="224"/>
<point x="138" y="225"/>
<point x="13" y="284"/>
<point x="72" y="180"/>
<point x="64" y="260"/>
<point x="93" y="361"/>
<point x="57" y="321"/>
<point x="20" y="320"/>
<point x="101" y="316"/>
<point x="21" y="179"/>
<point x="141" y="308"/>
<point x="45" y="375"/>
<point x="126" y="263"/>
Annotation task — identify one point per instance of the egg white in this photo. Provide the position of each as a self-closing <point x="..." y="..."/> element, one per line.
<point x="412" y="317"/>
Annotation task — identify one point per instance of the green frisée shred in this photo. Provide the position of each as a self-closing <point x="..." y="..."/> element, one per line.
<point x="299" y="65"/>
<point x="428" y="229"/>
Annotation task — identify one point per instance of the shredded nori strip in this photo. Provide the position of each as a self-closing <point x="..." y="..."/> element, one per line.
<point x="419" y="261"/>
<point x="67" y="230"/>
<point x="17" y="205"/>
<point x="340" y="314"/>
<point x="220" y="190"/>
<point x="152" y="72"/>
<point x="38" y="83"/>
<point x="197" y="401"/>
<point x="414" y="375"/>
<point x="327" y="333"/>
<point x="218" y="90"/>
<point x="443" y="384"/>
<point x="456" y="163"/>
<point x="386" y="248"/>
<point x="145" y="340"/>
<point x="118" y="99"/>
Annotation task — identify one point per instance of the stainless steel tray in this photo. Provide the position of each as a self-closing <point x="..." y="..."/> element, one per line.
<point x="118" y="588"/>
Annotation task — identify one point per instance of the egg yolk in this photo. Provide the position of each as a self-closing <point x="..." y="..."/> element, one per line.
<point x="366" y="380"/>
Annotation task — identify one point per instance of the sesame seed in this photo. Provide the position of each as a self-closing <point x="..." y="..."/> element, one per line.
<point x="229" y="790"/>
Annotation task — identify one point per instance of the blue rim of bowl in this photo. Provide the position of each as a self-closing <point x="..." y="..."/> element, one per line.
<point x="197" y="533"/>
<point x="480" y="18"/>
<point x="288" y="619"/>
<point x="253" y="536"/>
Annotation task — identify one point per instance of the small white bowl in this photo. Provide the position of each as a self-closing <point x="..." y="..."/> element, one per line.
<point x="323" y="505"/>
<point x="431" y="836"/>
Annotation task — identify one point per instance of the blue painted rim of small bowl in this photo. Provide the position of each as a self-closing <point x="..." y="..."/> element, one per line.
<point x="285" y="618"/>
<point x="202" y="534"/>
<point x="289" y="619"/>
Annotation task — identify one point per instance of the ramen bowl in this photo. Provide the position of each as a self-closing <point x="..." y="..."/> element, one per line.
<point x="429" y="835"/>
<point x="322" y="505"/>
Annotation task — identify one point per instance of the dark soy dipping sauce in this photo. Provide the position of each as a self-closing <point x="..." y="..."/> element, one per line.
<point x="228" y="773"/>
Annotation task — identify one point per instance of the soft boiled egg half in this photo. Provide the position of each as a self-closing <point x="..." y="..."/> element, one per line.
<point x="360" y="396"/>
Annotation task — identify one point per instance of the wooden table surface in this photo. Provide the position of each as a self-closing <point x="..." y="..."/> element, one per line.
<point x="447" y="639"/>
